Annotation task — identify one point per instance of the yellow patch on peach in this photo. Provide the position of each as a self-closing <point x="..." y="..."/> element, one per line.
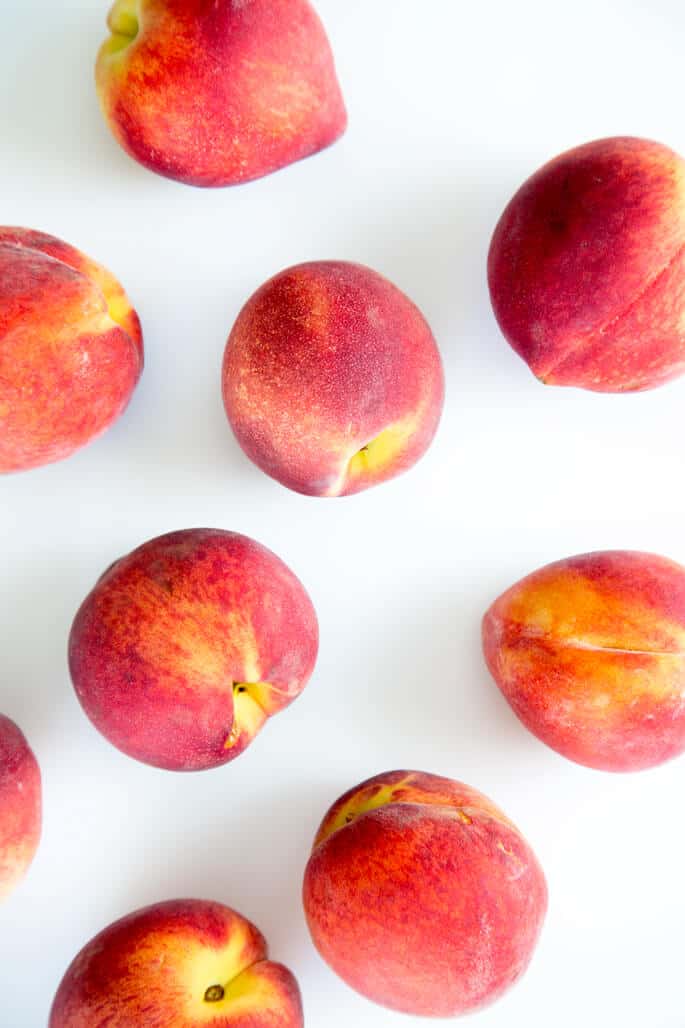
<point x="253" y="703"/>
<point x="409" y="789"/>
<point x="117" y="302"/>
<point x="245" y="995"/>
<point x="365" y="461"/>
<point x="381" y="452"/>
<point x="573" y="609"/>
<point x="370" y="798"/>
<point x="230" y="969"/>
<point x="249" y="713"/>
<point x="124" y="24"/>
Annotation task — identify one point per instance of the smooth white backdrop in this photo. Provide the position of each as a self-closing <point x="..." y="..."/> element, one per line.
<point x="451" y="106"/>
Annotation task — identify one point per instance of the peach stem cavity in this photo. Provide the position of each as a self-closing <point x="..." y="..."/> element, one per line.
<point x="214" y="994"/>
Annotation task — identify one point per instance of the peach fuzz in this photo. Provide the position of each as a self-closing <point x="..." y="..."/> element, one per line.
<point x="20" y="806"/>
<point x="332" y="380"/>
<point x="179" y="964"/>
<point x="215" y="94"/>
<point x="587" y="267"/>
<point x="589" y="653"/>
<point x="185" y="647"/>
<point x="422" y="895"/>
<point x="71" y="349"/>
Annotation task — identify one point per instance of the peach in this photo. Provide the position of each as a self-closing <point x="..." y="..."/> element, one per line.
<point x="215" y="94"/>
<point x="20" y="806"/>
<point x="185" y="647"/>
<point x="589" y="653"/>
<point x="422" y="895"/>
<point x="332" y="380"/>
<point x="180" y="964"/>
<point x="71" y="349"/>
<point x="587" y="267"/>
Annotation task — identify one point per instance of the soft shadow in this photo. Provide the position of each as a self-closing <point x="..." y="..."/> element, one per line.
<point x="54" y="117"/>
<point x="224" y="855"/>
<point x="445" y="707"/>
<point x="43" y="596"/>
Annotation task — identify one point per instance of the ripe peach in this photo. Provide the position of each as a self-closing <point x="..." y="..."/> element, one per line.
<point x="587" y="267"/>
<point x="422" y="895"/>
<point x="71" y="349"/>
<point x="214" y="94"/>
<point x="180" y="964"/>
<point x="20" y="806"/>
<point x="589" y="653"/>
<point x="332" y="381"/>
<point x="185" y="647"/>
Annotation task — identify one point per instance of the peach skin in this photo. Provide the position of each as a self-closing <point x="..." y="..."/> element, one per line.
<point x="219" y="93"/>
<point x="71" y="349"/>
<point x="589" y="653"/>
<point x="20" y="806"/>
<point x="332" y="381"/>
<point x="422" y="895"/>
<point x="587" y="267"/>
<point x="185" y="647"/>
<point x="179" y="964"/>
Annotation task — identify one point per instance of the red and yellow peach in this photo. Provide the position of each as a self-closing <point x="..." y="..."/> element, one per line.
<point x="71" y="349"/>
<point x="185" y="647"/>
<point x="180" y="964"/>
<point x="589" y="653"/>
<point x="587" y="267"/>
<point x="20" y="806"/>
<point x="422" y="895"/>
<point x="332" y="380"/>
<point x="214" y="94"/>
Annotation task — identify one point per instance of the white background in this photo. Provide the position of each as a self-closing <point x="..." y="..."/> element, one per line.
<point x="451" y="106"/>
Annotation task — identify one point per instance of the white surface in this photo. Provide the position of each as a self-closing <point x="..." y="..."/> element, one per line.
<point x="451" y="106"/>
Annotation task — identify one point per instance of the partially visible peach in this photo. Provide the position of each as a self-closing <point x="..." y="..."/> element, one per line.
<point x="180" y="964"/>
<point x="587" y="267"/>
<point x="71" y="349"/>
<point x="590" y="653"/>
<point x="332" y="380"/>
<point x="20" y="806"/>
<point x="215" y="94"/>
<point x="422" y="895"/>
<point x="186" y="646"/>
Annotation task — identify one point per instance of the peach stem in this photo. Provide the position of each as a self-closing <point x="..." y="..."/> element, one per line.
<point x="214" y="994"/>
